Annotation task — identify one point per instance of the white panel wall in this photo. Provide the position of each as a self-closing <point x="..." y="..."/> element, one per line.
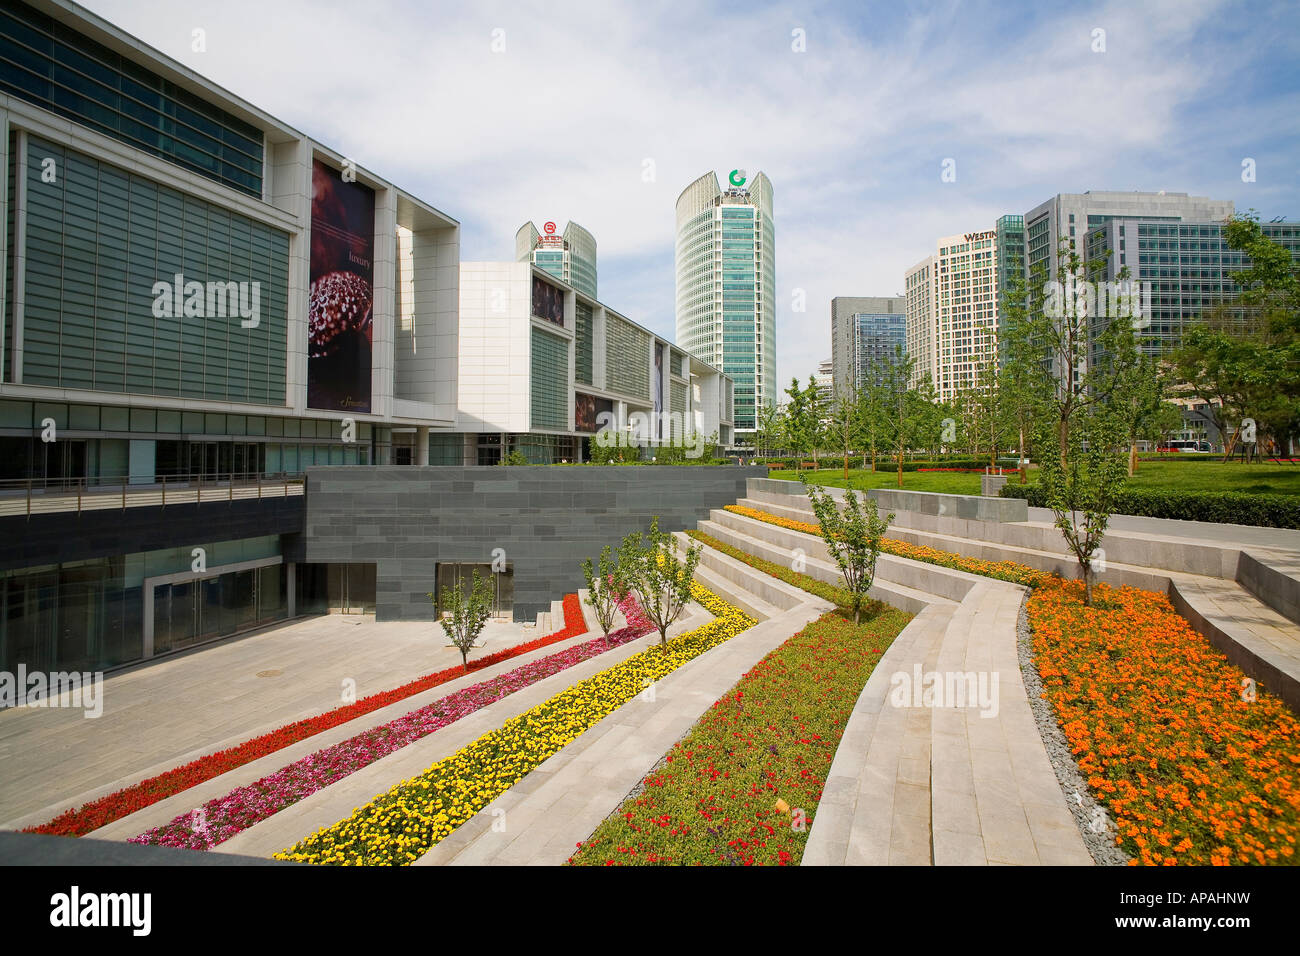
<point x="495" y="304"/>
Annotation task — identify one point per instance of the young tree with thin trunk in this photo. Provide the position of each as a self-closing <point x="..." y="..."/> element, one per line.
<point x="465" y="611"/>
<point x="844" y="426"/>
<point x="1075" y="363"/>
<point x="1082" y="494"/>
<point x="606" y="587"/>
<point x="853" y="537"/>
<point x="661" y="583"/>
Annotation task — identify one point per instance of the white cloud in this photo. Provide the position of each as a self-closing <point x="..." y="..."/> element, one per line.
<point x="851" y="132"/>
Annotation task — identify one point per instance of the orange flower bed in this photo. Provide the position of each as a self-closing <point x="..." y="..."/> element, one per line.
<point x="1192" y="769"/>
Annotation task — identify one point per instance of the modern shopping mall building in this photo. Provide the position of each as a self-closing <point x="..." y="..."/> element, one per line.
<point x="201" y="302"/>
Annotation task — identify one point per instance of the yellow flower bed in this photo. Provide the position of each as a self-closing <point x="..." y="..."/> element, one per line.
<point x="400" y="826"/>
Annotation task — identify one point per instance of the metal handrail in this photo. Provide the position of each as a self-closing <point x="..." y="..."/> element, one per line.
<point x="102" y="485"/>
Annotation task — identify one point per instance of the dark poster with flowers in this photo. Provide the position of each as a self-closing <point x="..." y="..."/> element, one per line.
<point x="341" y="303"/>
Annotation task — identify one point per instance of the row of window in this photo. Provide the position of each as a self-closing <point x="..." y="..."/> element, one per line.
<point x="56" y="68"/>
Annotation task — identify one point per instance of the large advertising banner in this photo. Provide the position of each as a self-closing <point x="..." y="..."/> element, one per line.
<point x="659" y="390"/>
<point x="340" y="307"/>
<point x="587" y="410"/>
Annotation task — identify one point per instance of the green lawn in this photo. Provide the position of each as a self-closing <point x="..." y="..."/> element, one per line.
<point x="1214" y="475"/>
<point x="1174" y="475"/>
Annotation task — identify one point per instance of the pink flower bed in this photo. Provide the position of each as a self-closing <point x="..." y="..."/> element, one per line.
<point x="220" y="819"/>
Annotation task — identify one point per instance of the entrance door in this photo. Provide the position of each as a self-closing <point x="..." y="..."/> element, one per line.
<point x="351" y="588"/>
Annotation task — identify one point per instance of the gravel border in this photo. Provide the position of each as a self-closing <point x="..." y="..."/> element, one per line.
<point x="1095" y="825"/>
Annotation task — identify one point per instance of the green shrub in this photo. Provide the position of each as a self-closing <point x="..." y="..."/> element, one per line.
<point x="1228" y="507"/>
<point x="829" y="463"/>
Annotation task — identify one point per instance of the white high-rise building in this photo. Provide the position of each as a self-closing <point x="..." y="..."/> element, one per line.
<point x="726" y="284"/>
<point x="952" y="320"/>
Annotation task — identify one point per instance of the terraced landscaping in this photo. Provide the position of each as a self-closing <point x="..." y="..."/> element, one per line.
<point x="742" y="788"/>
<point x="1194" y="762"/>
<point x="399" y="826"/>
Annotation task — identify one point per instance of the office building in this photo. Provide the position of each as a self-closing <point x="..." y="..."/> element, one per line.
<point x="726" y="279"/>
<point x="570" y="256"/>
<point x="1187" y="265"/>
<point x="951" y="309"/>
<point x="544" y="367"/>
<point x="194" y="293"/>
<point x="866" y="332"/>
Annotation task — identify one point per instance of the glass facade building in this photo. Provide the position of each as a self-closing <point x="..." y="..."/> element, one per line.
<point x="879" y="340"/>
<point x="726" y="277"/>
<point x="52" y="65"/>
<point x="570" y="256"/>
<point x="1187" y="265"/>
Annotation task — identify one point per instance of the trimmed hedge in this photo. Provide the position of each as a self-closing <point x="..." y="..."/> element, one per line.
<point x="831" y="463"/>
<point x="1228" y="507"/>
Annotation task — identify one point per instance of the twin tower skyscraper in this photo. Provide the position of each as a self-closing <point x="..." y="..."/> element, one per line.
<point x="725" y="279"/>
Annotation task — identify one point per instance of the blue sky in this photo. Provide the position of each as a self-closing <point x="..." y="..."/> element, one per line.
<point x="852" y="131"/>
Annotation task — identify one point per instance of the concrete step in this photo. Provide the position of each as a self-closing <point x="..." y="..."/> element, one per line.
<point x="563" y="800"/>
<point x="733" y="594"/>
<point x="1274" y="578"/>
<point x="915" y="575"/>
<point x="875" y="807"/>
<point x="770" y="589"/>
<point x="1256" y="638"/>
<point x="897" y="595"/>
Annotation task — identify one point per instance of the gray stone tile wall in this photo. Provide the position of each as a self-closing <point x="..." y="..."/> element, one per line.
<point x="408" y="519"/>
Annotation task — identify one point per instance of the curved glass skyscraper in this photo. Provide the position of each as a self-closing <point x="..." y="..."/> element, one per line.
<point x="726" y="282"/>
<point x="570" y="256"/>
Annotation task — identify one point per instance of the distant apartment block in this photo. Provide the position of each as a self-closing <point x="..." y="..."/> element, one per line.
<point x="866" y="331"/>
<point x="951" y="308"/>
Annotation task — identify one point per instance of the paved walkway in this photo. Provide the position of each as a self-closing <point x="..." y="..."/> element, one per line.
<point x="167" y="810"/>
<point x="160" y="715"/>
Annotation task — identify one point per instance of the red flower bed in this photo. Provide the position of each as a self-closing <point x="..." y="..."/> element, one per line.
<point x="105" y="810"/>
<point x="975" y="471"/>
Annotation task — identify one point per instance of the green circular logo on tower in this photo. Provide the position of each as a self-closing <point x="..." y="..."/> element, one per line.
<point x="737" y="177"/>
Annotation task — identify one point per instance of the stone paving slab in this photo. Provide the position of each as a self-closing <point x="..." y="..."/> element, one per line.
<point x="875" y="805"/>
<point x="994" y="759"/>
<point x="572" y="795"/>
